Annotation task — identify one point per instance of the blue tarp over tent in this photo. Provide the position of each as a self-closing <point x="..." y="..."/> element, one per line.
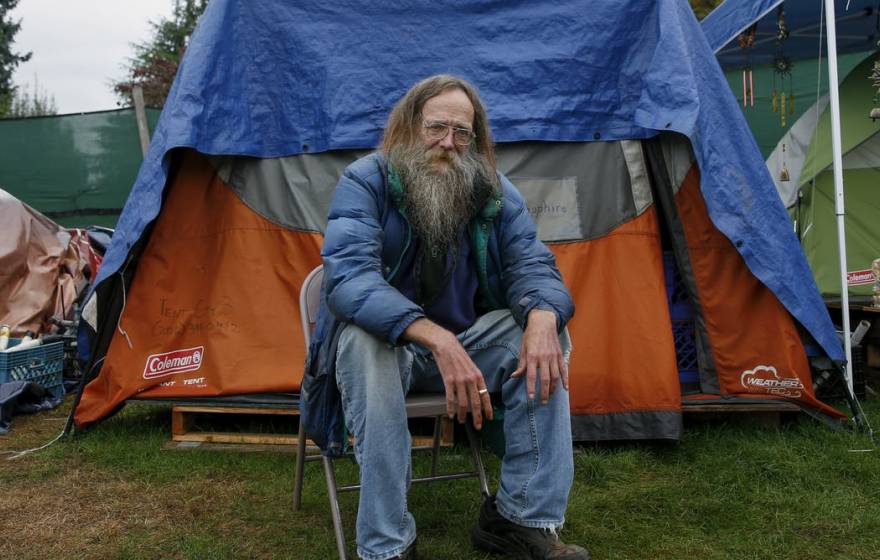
<point x="274" y="78"/>
<point x="857" y="24"/>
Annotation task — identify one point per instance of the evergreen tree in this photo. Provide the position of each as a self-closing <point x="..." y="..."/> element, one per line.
<point x="36" y="103"/>
<point x="155" y="62"/>
<point x="702" y="8"/>
<point x="9" y="59"/>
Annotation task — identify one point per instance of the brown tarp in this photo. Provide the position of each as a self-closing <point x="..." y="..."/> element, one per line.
<point x="42" y="268"/>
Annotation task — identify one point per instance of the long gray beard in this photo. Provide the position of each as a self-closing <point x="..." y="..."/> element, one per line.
<point x="440" y="204"/>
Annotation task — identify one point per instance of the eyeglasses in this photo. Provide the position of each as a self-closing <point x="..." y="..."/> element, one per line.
<point x="439" y="130"/>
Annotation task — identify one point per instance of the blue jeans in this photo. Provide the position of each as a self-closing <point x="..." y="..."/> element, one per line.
<point x="373" y="378"/>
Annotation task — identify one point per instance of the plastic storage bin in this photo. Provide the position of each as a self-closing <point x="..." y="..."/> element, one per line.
<point x="43" y="365"/>
<point x="830" y="386"/>
<point x="681" y="312"/>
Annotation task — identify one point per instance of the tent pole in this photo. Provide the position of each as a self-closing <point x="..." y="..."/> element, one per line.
<point x="831" y="37"/>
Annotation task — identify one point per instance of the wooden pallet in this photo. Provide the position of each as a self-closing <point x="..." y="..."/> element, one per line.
<point x="185" y="432"/>
<point x="763" y="414"/>
<point x="184" y="429"/>
<point x="741" y="407"/>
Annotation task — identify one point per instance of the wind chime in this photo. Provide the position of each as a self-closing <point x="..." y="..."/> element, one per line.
<point x="747" y="43"/>
<point x="782" y="101"/>
<point x="784" y="175"/>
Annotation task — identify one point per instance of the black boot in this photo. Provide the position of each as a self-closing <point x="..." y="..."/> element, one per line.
<point x="408" y="554"/>
<point x="496" y="534"/>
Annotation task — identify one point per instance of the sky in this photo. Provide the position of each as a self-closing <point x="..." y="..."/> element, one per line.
<point x="80" y="45"/>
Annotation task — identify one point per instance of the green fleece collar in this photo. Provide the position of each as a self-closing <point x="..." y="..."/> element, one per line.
<point x="397" y="192"/>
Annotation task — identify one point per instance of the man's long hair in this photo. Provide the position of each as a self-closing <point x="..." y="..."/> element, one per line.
<point x="405" y="122"/>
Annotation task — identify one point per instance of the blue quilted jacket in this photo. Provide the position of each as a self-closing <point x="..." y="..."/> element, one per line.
<point x="368" y="235"/>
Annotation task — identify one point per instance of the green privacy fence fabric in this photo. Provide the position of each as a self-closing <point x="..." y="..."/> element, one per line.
<point x="77" y="169"/>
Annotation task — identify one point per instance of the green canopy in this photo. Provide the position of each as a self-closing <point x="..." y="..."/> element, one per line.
<point x="77" y="169"/>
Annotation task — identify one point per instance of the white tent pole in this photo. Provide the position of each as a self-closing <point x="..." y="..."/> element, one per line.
<point x="831" y="36"/>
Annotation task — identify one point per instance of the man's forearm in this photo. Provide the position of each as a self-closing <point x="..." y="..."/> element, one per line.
<point x="429" y="334"/>
<point x="433" y="337"/>
<point x="543" y="316"/>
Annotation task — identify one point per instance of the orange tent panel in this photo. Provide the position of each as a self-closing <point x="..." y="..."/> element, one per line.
<point x="214" y="306"/>
<point x="623" y="357"/>
<point x="754" y="341"/>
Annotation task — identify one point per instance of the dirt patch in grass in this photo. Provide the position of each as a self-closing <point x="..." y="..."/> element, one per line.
<point x="71" y="501"/>
<point x="83" y="511"/>
<point x="33" y="430"/>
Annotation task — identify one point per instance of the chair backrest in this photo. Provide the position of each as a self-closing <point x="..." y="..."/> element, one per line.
<point x="310" y="301"/>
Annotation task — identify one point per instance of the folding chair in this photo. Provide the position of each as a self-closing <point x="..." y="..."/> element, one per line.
<point x="423" y="405"/>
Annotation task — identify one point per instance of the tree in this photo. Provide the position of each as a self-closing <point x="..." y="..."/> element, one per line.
<point x="155" y="62"/>
<point x="702" y="8"/>
<point x="27" y="104"/>
<point x="9" y="59"/>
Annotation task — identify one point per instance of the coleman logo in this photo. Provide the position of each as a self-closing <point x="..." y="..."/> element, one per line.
<point x="177" y="361"/>
<point x="765" y="379"/>
<point x="860" y="277"/>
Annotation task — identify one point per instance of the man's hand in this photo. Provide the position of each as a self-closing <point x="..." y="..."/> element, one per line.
<point x="462" y="378"/>
<point x="541" y="354"/>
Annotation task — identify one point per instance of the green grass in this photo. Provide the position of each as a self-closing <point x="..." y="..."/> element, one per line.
<point x="728" y="490"/>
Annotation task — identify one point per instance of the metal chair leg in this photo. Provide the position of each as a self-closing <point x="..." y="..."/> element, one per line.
<point x="474" y="443"/>
<point x="330" y="475"/>
<point x="300" y="465"/>
<point x="435" y="445"/>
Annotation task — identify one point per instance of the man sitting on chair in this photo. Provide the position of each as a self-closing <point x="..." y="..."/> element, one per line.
<point x="435" y="281"/>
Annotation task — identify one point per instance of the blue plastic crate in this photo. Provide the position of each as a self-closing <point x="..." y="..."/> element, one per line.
<point x="680" y="308"/>
<point x="681" y="312"/>
<point x="686" y="351"/>
<point x="43" y="365"/>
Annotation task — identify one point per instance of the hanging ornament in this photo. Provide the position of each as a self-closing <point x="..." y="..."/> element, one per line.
<point x="781" y="27"/>
<point x="784" y="175"/>
<point x="747" y="43"/>
<point x="782" y="101"/>
<point x="782" y="109"/>
<point x="875" y="81"/>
